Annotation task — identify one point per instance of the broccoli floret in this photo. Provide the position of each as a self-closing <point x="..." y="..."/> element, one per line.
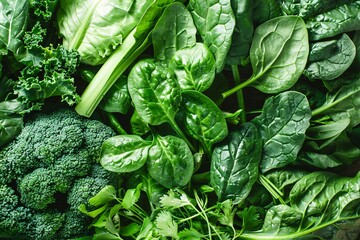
<point x="13" y="218"/>
<point x="48" y="171"/>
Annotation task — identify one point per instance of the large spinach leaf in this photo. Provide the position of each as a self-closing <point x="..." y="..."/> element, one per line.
<point x="170" y="161"/>
<point x="194" y="67"/>
<point x="201" y="119"/>
<point x="96" y="28"/>
<point x="344" y="18"/>
<point x="279" y="53"/>
<point x="235" y="163"/>
<point x="330" y="59"/>
<point x="282" y="123"/>
<point x="13" y="20"/>
<point x="215" y="23"/>
<point x="124" y="153"/>
<point x="174" y="30"/>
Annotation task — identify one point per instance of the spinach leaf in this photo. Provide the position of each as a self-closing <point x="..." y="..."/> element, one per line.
<point x="317" y="200"/>
<point x="215" y="23"/>
<point x="344" y="18"/>
<point x="343" y="103"/>
<point x="319" y="160"/>
<point x="274" y="68"/>
<point x="138" y="126"/>
<point x="283" y="178"/>
<point x="310" y="8"/>
<point x="103" y="26"/>
<point x="124" y="153"/>
<point x="154" y="91"/>
<point x="265" y="10"/>
<point x="117" y="99"/>
<point x="10" y="127"/>
<point x="175" y="30"/>
<point x="242" y="35"/>
<point x="194" y="67"/>
<point x="282" y="123"/>
<point x="13" y="21"/>
<point x="201" y="119"/>
<point x="329" y="59"/>
<point x="170" y="161"/>
<point x="278" y="55"/>
<point x="235" y="164"/>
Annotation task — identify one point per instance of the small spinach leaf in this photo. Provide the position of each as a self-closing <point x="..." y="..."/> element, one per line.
<point x="329" y="59"/>
<point x="215" y="22"/>
<point x="175" y="30"/>
<point x="154" y="91"/>
<point x="194" y="67"/>
<point x="10" y="127"/>
<point x="282" y="123"/>
<point x="235" y="164"/>
<point x="202" y="119"/>
<point x="170" y="161"/>
<point x="124" y="153"/>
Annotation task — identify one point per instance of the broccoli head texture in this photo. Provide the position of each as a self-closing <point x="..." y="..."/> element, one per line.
<point x="47" y="172"/>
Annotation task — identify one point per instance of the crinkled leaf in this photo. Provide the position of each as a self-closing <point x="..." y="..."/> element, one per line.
<point x="154" y="91"/>
<point x="329" y="59"/>
<point x="279" y="53"/>
<point x="170" y="161"/>
<point x="344" y="18"/>
<point x="194" y="67"/>
<point x="235" y="164"/>
<point x="124" y="153"/>
<point x="96" y="28"/>
<point x="215" y="23"/>
<point x="282" y="123"/>
<point x="201" y="119"/>
<point x="175" y="30"/>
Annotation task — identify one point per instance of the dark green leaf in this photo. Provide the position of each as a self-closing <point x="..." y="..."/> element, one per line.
<point x="194" y="67"/>
<point x="10" y="127"/>
<point x="154" y="91"/>
<point x="170" y="161"/>
<point x="282" y="124"/>
<point x="235" y="164"/>
<point x="124" y="153"/>
<point x="215" y="23"/>
<point x="329" y="59"/>
<point x="202" y="119"/>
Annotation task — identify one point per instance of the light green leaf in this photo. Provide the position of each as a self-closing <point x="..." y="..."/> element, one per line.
<point x="165" y="225"/>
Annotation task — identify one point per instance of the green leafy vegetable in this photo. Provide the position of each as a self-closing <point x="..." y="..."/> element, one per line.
<point x="282" y="123"/>
<point x="235" y="164"/>
<point x="215" y="23"/>
<point x="168" y="37"/>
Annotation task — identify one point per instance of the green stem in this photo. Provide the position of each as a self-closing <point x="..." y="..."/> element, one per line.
<point x="110" y="71"/>
<point x="177" y="129"/>
<point x="202" y="178"/>
<point x="115" y="124"/>
<point x="239" y="93"/>
<point x="273" y="190"/>
<point x="239" y="87"/>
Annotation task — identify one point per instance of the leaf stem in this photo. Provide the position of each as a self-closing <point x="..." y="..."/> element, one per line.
<point x="239" y="93"/>
<point x="115" y="124"/>
<point x="273" y="190"/>
<point x="178" y="130"/>
<point x="239" y="87"/>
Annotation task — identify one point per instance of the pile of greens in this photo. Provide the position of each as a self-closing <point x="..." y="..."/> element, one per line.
<point x="234" y="119"/>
